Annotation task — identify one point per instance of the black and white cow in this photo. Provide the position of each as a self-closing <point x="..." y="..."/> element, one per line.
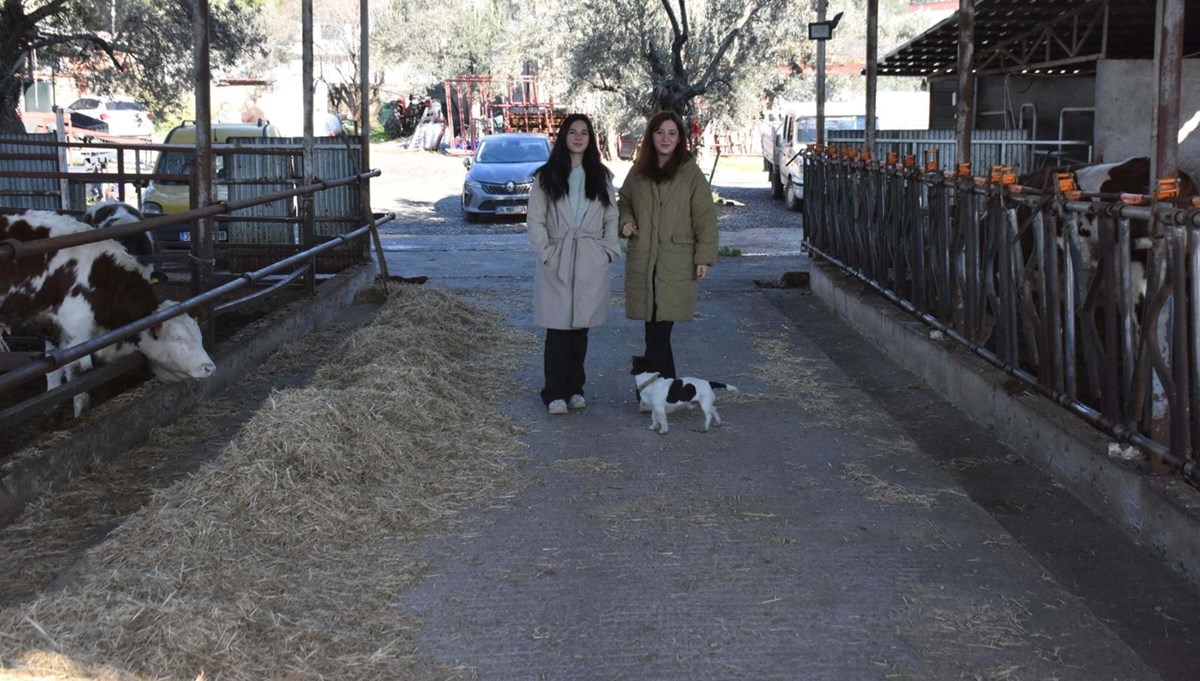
<point x="1100" y="182"/>
<point x="111" y="213"/>
<point x="84" y="291"/>
<point x="1130" y="176"/>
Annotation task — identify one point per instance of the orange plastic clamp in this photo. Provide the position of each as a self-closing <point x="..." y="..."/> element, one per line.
<point x="893" y="158"/>
<point x="931" y="166"/>
<point x="812" y="148"/>
<point x="1133" y="199"/>
<point x="1066" y="183"/>
<point x="851" y="154"/>
<point x="865" y="154"/>
<point x="996" y="174"/>
<point x="1008" y="177"/>
<point x="964" y="169"/>
<point x="910" y="161"/>
<point x="1167" y="189"/>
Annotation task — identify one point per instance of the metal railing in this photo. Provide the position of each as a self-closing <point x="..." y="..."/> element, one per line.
<point x="1090" y="299"/>
<point x="301" y="264"/>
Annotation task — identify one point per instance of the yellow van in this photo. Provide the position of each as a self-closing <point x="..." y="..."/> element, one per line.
<point x="169" y="197"/>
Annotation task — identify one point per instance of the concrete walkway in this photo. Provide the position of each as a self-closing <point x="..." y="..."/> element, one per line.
<point x="844" y="523"/>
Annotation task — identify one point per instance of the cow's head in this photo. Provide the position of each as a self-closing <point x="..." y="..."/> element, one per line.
<point x="175" y="349"/>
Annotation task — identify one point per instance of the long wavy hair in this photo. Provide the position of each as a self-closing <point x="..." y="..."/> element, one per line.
<point x="646" y="162"/>
<point x="553" y="175"/>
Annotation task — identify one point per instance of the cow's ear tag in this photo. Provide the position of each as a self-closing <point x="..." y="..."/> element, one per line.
<point x="157" y="277"/>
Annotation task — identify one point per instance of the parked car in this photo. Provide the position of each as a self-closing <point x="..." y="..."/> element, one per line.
<point x="500" y="174"/>
<point x="125" y="116"/>
<point x="168" y="197"/>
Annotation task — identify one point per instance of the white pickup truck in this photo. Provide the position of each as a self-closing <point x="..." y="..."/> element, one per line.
<point x="782" y="138"/>
<point x="782" y="142"/>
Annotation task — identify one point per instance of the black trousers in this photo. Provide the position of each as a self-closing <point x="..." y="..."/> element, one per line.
<point x="658" y="348"/>
<point x="563" y="365"/>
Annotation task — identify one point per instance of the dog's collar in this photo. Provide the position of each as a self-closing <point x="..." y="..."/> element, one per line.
<point x="648" y="381"/>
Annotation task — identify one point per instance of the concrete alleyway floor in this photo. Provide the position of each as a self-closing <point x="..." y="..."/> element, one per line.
<point x="844" y="523"/>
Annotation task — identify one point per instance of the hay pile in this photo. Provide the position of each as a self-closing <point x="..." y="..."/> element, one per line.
<point x="282" y="558"/>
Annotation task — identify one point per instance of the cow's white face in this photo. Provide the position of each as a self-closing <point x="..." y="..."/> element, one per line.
<point x="175" y="349"/>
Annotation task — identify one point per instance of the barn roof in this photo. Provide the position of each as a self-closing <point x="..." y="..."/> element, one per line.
<point x="1048" y="37"/>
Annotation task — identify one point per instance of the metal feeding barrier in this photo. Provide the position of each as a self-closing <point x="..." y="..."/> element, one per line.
<point x="289" y="270"/>
<point x="1093" y="300"/>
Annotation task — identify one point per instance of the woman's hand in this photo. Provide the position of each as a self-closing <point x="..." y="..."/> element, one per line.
<point x="628" y="229"/>
<point x="701" y="271"/>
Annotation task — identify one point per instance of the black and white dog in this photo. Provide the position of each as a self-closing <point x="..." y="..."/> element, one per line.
<point x="661" y="396"/>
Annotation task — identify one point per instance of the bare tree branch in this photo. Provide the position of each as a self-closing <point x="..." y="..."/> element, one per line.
<point x="679" y="35"/>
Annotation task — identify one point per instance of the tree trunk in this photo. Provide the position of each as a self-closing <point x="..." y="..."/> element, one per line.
<point x="10" y="122"/>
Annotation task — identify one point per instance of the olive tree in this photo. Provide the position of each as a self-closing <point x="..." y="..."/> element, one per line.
<point x="141" y="47"/>
<point x="664" y="55"/>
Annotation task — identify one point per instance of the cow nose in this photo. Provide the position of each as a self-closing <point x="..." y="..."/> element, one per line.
<point x="209" y="369"/>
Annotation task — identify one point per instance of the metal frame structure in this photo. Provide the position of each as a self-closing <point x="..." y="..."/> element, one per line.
<point x="1001" y="269"/>
<point x="1049" y="37"/>
<point x="208" y="301"/>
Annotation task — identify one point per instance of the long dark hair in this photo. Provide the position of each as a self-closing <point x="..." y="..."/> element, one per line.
<point x="646" y="162"/>
<point x="553" y="175"/>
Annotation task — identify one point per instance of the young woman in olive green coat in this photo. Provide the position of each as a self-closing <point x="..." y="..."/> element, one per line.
<point x="667" y="213"/>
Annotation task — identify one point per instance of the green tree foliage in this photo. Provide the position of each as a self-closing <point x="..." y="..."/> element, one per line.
<point x="443" y="38"/>
<point x="726" y="57"/>
<point x="140" y="47"/>
<point x="666" y="54"/>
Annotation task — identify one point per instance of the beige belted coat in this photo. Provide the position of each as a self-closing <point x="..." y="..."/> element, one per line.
<point x="572" y="282"/>
<point x="677" y="230"/>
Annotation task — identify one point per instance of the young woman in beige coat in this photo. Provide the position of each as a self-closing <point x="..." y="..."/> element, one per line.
<point x="572" y="226"/>
<point x="667" y="214"/>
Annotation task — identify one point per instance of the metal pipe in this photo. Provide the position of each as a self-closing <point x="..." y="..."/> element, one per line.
<point x="1033" y="120"/>
<point x="1168" y="55"/>
<point x="872" y="69"/>
<point x="305" y="204"/>
<point x="1125" y="308"/>
<point x="202" y="239"/>
<point x="1181" y="433"/>
<point x="62" y="357"/>
<point x="821" y="4"/>
<point x="965" y="109"/>
<point x="12" y="249"/>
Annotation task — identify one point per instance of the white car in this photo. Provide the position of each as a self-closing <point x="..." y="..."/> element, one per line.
<point x="125" y="116"/>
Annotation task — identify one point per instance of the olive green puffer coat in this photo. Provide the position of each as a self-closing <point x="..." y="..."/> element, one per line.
<point x="677" y="230"/>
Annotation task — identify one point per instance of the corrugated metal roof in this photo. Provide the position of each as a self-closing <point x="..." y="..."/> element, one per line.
<point x="1048" y="37"/>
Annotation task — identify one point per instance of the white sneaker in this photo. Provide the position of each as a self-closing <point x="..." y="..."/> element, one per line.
<point x="577" y="402"/>
<point x="558" y="407"/>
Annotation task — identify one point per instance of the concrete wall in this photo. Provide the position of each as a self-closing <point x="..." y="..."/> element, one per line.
<point x="1125" y="107"/>
<point x="1049" y="95"/>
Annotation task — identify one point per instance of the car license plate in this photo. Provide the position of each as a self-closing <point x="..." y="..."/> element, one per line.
<point x="222" y="235"/>
<point x="510" y="210"/>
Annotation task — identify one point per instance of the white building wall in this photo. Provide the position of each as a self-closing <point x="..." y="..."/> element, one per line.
<point x="1125" y="110"/>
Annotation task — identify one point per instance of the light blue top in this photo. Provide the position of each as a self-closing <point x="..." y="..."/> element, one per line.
<point x="575" y="194"/>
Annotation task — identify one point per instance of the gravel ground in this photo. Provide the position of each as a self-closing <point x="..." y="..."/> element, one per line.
<point x="423" y="189"/>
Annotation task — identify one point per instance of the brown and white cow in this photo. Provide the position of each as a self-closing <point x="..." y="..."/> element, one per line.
<point x="87" y="290"/>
